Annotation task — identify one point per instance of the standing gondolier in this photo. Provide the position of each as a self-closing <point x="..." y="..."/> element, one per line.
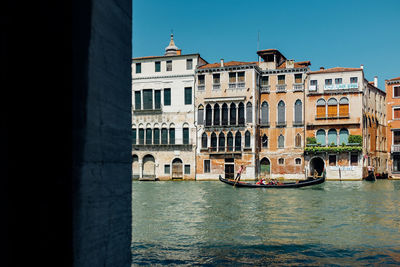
<point x="239" y="173"/>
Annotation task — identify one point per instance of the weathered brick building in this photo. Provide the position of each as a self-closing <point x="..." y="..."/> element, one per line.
<point x="393" y="131"/>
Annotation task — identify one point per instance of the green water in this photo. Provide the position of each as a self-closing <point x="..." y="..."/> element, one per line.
<point x="210" y="223"/>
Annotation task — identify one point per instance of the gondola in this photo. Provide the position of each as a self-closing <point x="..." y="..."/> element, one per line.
<point x="301" y="183"/>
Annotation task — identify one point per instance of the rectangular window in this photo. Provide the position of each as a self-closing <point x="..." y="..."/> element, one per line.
<point x="157" y="66"/>
<point x="167" y="97"/>
<point x="186" y="136"/>
<point x="298" y="78"/>
<point x="353" y="79"/>
<point x="338" y="80"/>
<point x="148" y="99"/>
<point x="354" y="159"/>
<point x="200" y="79"/>
<point x="328" y="81"/>
<point x="188" y="95"/>
<point x="396" y="113"/>
<point x="156" y="136"/>
<point x="141" y="136"/>
<point x="189" y="64"/>
<point x="167" y="169"/>
<point x="207" y="166"/>
<point x="297" y="161"/>
<point x="396" y="137"/>
<point x="138" y="67"/>
<point x="281" y="79"/>
<point x="216" y="78"/>
<point x="157" y="99"/>
<point x="313" y="82"/>
<point x="187" y="169"/>
<point x="281" y="161"/>
<point x="232" y="77"/>
<point x="172" y="136"/>
<point x="264" y="81"/>
<point x="138" y="100"/>
<point x="149" y="136"/>
<point x="396" y="91"/>
<point x="332" y="160"/>
<point x="240" y="76"/>
<point x="164" y="136"/>
<point x="134" y="136"/>
<point x="169" y="65"/>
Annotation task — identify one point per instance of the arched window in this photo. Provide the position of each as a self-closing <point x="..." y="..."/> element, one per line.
<point x="264" y="141"/>
<point x="185" y="135"/>
<point x="200" y="115"/>
<point x="208" y="115"/>
<point x="216" y="114"/>
<point x="164" y="136"/>
<point x="224" y="114"/>
<point x="264" y="113"/>
<point x="156" y="132"/>
<point x="297" y="141"/>
<point x="281" y="112"/>
<point x="149" y="136"/>
<point x="141" y="136"/>
<point x="298" y="111"/>
<point x="171" y="136"/>
<point x="320" y="136"/>
<point x="247" y="139"/>
<point x="321" y="108"/>
<point x="281" y="141"/>
<point x="233" y="114"/>
<point x="213" y="142"/>
<point x="230" y="142"/>
<point x="344" y="107"/>
<point x="238" y="141"/>
<point x="204" y="140"/>
<point x="332" y="137"/>
<point x="241" y="114"/>
<point x="221" y="141"/>
<point x="332" y="107"/>
<point x="343" y="136"/>
<point x="249" y="112"/>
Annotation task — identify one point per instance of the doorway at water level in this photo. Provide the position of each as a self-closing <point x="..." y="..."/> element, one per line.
<point x="229" y="168"/>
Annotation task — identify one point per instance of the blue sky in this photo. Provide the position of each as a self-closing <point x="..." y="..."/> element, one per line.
<point x="328" y="33"/>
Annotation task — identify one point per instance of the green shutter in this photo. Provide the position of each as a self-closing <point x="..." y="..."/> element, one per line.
<point x="134" y="136"/>
<point x="188" y="95"/>
<point x="157" y="99"/>
<point x="157" y="66"/>
<point x="156" y="136"/>
<point x="167" y="97"/>
<point x="138" y="100"/>
<point x="172" y="136"/>
<point x="148" y="136"/>
<point x="186" y="136"/>
<point x="141" y="136"/>
<point x="164" y="136"/>
<point x="148" y="99"/>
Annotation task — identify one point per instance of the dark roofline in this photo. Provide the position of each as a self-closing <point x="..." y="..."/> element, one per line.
<point x="154" y="57"/>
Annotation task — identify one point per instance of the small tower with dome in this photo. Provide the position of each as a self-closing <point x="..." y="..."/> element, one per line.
<point x="171" y="49"/>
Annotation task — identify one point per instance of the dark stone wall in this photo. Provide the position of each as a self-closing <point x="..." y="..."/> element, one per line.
<point x="65" y="133"/>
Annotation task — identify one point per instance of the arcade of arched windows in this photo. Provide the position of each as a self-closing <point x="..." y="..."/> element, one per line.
<point x="226" y="141"/>
<point x="161" y="134"/>
<point x="225" y="114"/>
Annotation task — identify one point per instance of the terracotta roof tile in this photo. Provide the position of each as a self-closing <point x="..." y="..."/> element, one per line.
<point x="226" y="64"/>
<point x="395" y="79"/>
<point x="300" y="64"/>
<point x="337" y="69"/>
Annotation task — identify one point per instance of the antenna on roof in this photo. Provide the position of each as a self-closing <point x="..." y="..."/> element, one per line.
<point x="258" y="44"/>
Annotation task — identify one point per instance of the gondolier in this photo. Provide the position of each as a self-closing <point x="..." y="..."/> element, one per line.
<point x="239" y="173"/>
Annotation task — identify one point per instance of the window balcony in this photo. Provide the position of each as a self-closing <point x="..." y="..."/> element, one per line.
<point x="162" y="147"/>
<point x="264" y="124"/>
<point x="225" y="150"/>
<point x="298" y="87"/>
<point x="281" y="124"/>
<point x="232" y="86"/>
<point x="216" y="86"/>
<point x="265" y="88"/>
<point x="240" y="85"/>
<point x="201" y="87"/>
<point x="395" y="148"/>
<point x="147" y="111"/>
<point x="298" y="123"/>
<point x="332" y="116"/>
<point x="281" y="88"/>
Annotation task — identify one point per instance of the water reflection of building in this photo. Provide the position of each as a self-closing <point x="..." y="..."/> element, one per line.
<point x="393" y="119"/>
<point x="342" y="104"/>
<point x="163" y="115"/>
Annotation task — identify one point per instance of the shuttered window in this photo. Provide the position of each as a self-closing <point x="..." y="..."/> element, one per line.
<point x="233" y="114"/>
<point x="213" y="142"/>
<point x="157" y="99"/>
<point x="230" y="141"/>
<point x="188" y="95"/>
<point x="332" y="137"/>
<point x="138" y="100"/>
<point x="167" y="97"/>
<point x="224" y="114"/>
<point x="138" y="67"/>
<point x="321" y="108"/>
<point x="298" y="111"/>
<point x="264" y="113"/>
<point x="185" y="136"/>
<point x="208" y="115"/>
<point x="164" y="136"/>
<point x="297" y="140"/>
<point x="343" y="137"/>
<point x="204" y="140"/>
<point x="148" y="99"/>
<point x="247" y="139"/>
<point x="281" y="112"/>
<point x="221" y="142"/>
<point x="200" y="115"/>
<point x="141" y="136"/>
<point x="157" y="66"/>
<point x="238" y="141"/>
<point x="172" y="136"/>
<point x="344" y="107"/>
<point x="241" y="114"/>
<point x="320" y="136"/>
<point x="249" y="112"/>
<point x="148" y="136"/>
<point x="332" y="107"/>
<point x="156" y="137"/>
<point x="216" y="114"/>
<point x="134" y="136"/>
<point x="281" y="141"/>
<point x="396" y="113"/>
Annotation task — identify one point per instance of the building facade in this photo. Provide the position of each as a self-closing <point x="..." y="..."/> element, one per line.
<point x="164" y="133"/>
<point x="340" y="136"/>
<point x="393" y="132"/>
<point x="281" y="116"/>
<point x="226" y="100"/>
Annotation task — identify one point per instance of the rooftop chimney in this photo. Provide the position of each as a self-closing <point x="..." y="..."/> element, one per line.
<point x="222" y="62"/>
<point x="376" y="81"/>
<point x="179" y="52"/>
<point x="361" y="66"/>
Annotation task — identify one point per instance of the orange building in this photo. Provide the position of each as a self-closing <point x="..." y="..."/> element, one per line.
<point x="393" y="119"/>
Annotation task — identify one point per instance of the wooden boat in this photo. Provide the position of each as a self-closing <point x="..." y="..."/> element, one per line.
<point x="301" y="183"/>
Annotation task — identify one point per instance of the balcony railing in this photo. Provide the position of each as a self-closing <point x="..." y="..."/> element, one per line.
<point x="281" y="88"/>
<point x="280" y="123"/>
<point x="265" y="88"/>
<point x="162" y="147"/>
<point x="216" y="86"/>
<point x="298" y="123"/>
<point x="147" y="111"/>
<point x="240" y="85"/>
<point x="232" y="85"/>
<point x="298" y="87"/>
<point x="395" y="148"/>
<point x="332" y="116"/>
<point x="227" y="149"/>
<point x="236" y="85"/>
<point x="264" y="124"/>
<point x="201" y="87"/>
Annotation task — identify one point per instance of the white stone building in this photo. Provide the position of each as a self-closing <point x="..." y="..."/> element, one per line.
<point x="164" y="134"/>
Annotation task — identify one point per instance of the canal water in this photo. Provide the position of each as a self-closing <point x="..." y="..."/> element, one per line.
<point x="211" y="223"/>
